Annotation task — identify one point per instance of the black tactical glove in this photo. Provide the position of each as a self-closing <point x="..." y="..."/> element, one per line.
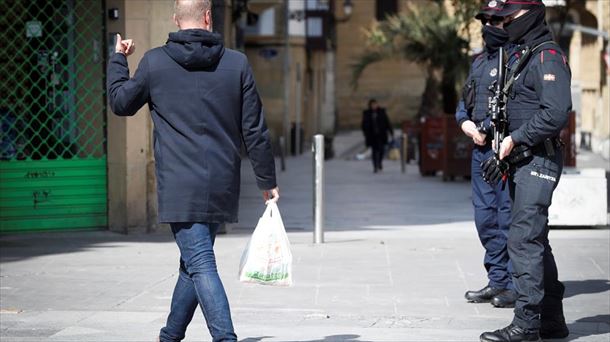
<point x="485" y="126"/>
<point x="494" y="170"/>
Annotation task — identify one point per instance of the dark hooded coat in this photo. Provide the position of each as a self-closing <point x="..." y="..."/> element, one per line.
<point x="376" y="127"/>
<point x="204" y="104"/>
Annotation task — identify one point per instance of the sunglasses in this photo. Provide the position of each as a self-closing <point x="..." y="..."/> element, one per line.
<point x="492" y="20"/>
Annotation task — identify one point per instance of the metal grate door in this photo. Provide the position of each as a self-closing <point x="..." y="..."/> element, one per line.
<point x="52" y="112"/>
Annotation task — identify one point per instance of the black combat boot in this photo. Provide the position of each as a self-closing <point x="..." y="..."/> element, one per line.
<point x="511" y="333"/>
<point x="505" y="299"/>
<point x="553" y="327"/>
<point x="483" y="295"/>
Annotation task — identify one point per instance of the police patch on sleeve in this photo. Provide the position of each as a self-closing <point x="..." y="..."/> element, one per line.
<point x="549" y="77"/>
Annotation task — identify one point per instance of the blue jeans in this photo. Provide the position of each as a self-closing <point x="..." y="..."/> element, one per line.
<point x="492" y="217"/>
<point x="198" y="283"/>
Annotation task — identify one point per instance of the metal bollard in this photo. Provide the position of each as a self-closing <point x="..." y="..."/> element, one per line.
<point x="404" y="157"/>
<point x="402" y="154"/>
<point x="283" y="153"/>
<point x="318" y="188"/>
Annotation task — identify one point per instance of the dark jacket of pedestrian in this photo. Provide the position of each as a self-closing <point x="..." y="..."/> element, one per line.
<point x="376" y="126"/>
<point x="204" y="103"/>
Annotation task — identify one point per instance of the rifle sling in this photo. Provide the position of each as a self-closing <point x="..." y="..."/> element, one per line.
<point x="521" y="63"/>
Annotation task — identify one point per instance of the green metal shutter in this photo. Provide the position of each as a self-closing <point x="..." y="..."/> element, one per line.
<point x="52" y="112"/>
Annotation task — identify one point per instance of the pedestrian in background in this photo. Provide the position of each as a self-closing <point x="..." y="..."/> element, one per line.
<point x="491" y="202"/>
<point x="204" y="104"/>
<point x="539" y="100"/>
<point x="376" y="128"/>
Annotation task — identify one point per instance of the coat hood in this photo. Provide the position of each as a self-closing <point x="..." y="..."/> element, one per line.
<point x="194" y="48"/>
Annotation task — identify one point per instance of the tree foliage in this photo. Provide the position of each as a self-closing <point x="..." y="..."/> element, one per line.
<point x="424" y="33"/>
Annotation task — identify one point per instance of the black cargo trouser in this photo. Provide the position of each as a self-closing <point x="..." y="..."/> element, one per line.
<point x="535" y="277"/>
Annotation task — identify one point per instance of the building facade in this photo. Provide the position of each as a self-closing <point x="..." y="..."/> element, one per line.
<point x="396" y="84"/>
<point x="586" y="35"/>
<point x="67" y="162"/>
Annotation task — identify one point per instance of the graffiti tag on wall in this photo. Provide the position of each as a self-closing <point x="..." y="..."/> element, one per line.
<point x="40" y="196"/>
<point x="39" y="174"/>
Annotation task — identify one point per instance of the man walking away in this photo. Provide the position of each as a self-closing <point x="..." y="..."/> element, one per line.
<point x="204" y="103"/>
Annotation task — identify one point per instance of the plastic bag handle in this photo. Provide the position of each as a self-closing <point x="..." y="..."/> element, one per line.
<point x="271" y="207"/>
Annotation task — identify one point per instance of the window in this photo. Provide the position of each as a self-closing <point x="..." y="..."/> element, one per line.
<point x="261" y="25"/>
<point x="317" y="5"/>
<point x="385" y="8"/>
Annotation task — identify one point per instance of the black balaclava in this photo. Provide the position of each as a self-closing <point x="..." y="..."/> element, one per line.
<point x="527" y="27"/>
<point x="494" y="38"/>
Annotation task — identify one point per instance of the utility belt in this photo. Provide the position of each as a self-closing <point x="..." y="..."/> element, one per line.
<point x="548" y="148"/>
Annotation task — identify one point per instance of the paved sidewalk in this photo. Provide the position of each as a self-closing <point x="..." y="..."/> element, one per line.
<point x="400" y="252"/>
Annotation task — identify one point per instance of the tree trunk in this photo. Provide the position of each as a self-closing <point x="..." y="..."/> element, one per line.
<point x="450" y="98"/>
<point x="429" y="99"/>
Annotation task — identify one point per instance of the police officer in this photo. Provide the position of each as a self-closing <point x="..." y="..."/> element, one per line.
<point x="491" y="202"/>
<point x="538" y="103"/>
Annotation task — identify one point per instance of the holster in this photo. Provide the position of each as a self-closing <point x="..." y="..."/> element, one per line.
<point x="548" y="147"/>
<point x="519" y="153"/>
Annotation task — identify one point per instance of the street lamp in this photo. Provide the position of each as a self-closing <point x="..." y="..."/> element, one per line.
<point x="347" y="8"/>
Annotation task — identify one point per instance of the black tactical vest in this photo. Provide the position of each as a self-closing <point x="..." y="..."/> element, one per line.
<point x="483" y="74"/>
<point x="523" y="102"/>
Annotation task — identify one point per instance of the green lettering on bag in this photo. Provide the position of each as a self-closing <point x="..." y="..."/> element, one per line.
<point x="267" y="277"/>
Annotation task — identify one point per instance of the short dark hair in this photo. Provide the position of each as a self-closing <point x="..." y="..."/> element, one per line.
<point x="371" y="101"/>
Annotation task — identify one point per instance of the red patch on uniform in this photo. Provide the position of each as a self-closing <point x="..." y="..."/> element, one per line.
<point x="553" y="52"/>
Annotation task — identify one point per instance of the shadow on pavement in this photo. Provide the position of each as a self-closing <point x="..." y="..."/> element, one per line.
<point x="582" y="327"/>
<point x="16" y="247"/>
<point x="332" y="338"/>
<point x="21" y="246"/>
<point x="256" y="339"/>
<point x="589" y="286"/>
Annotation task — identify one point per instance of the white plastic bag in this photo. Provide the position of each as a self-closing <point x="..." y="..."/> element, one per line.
<point x="267" y="259"/>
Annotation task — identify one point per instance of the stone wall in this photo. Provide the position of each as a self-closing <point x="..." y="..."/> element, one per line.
<point x="397" y="84"/>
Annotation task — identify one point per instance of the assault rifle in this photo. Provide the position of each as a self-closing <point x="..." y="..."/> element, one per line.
<point x="497" y="105"/>
<point x="495" y="169"/>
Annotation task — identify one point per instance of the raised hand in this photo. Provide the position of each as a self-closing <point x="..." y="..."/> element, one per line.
<point x="126" y="47"/>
